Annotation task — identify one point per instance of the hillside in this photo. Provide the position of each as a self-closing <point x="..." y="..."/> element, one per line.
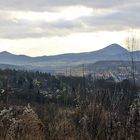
<point x="58" y="63"/>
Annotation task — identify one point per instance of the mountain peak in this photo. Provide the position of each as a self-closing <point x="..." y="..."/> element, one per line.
<point x="5" y="53"/>
<point x="114" y="48"/>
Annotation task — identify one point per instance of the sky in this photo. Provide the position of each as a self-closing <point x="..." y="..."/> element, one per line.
<point x="50" y="27"/>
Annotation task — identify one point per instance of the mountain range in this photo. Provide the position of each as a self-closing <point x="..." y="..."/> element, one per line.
<point x="59" y="62"/>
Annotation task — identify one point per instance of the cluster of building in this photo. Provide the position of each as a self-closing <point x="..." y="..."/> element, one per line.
<point x="116" y="76"/>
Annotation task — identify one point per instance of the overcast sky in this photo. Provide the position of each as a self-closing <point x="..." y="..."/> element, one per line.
<point x="49" y="27"/>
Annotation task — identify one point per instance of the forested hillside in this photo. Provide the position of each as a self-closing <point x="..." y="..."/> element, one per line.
<point x="67" y="107"/>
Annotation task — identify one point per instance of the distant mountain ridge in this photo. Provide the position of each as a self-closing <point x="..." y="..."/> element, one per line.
<point x="58" y="62"/>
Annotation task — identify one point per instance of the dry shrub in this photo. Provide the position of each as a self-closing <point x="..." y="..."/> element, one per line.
<point x="20" y="123"/>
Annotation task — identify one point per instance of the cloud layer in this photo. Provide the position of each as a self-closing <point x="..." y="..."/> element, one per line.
<point x="47" y="18"/>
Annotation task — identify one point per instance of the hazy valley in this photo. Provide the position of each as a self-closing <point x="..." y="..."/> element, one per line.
<point x="59" y="63"/>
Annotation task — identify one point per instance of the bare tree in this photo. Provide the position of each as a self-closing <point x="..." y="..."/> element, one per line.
<point x="132" y="46"/>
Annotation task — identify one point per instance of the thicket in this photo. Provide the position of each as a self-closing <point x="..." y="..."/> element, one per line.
<point x="75" y="108"/>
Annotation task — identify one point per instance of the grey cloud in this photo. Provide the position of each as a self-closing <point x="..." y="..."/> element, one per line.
<point x="62" y="24"/>
<point x="113" y="22"/>
<point x="27" y="29"/>
<point x="123" y="18"/>
<point x="43" y="5"/>
<point x="126" y="16"/>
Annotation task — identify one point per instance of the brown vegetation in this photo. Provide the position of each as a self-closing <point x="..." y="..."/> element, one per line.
<point x="20" y="123"/>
